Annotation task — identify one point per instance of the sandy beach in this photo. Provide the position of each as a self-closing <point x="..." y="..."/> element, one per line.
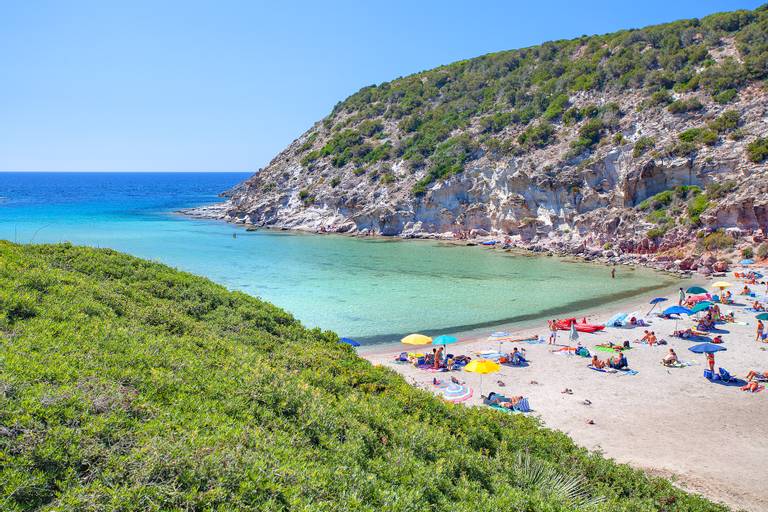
<point x="709" y="438"/>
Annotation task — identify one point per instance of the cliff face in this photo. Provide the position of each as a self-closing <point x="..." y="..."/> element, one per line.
<point x="528" y="151"/>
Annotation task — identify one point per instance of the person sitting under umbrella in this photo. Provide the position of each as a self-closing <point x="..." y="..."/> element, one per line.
<point x="757" y="306"/>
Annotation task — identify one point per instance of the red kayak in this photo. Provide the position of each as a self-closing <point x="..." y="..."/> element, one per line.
<point x="583" y="326"/>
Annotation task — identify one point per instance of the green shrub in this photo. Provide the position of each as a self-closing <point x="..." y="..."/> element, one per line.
<point x="642" y="145"/>
<point x="698" y="136"/>
<point x="757" y="150"/>
<point x="726" y="122"/>
<point x="747" y="253"/>
<point x="657" y="232"/>
<point x="725" y="96"/>
<point x="335" y="181"/>
<point x="696" y="206"/>
<point x="718" y="190"/>
<point x="537" y="136"/>
<point x="683" y="106"/>
<point x="589" y="135"/>
<point x="715" y="241"/>
<point x="762" y="251"/>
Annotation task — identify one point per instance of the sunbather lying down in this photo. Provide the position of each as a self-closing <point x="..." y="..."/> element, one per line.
<point x="503" y="401"/>
<point x="757" y="375"/>
<point x="752" y="387"/>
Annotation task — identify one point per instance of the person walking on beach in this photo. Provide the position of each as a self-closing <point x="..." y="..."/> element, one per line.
<point x="760" y="328"/>
<point x="681" y="297"/>
<point x="613" y="273"/>
<point x="552" y="333"/>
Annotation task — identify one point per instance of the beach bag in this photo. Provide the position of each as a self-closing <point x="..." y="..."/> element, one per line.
<point x="583" y="352"/>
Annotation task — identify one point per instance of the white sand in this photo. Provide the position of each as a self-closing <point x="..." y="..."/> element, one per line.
<point x="654" y="420"/>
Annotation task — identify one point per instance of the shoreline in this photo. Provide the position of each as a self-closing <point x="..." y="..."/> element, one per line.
<point x="555" y="245"/>
<point x="646" y="420"/>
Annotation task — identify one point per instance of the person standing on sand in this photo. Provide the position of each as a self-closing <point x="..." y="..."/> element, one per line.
<point x="613" y="273"/>
<point x="681" y="297"/>
<point x="760" y="328"/>
<point x="552" y="333"/>
<point x="711" y="361"/>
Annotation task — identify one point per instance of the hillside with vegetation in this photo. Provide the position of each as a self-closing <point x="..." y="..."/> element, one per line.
<point x="127" y="385"/>
<point x="554" y="145"/>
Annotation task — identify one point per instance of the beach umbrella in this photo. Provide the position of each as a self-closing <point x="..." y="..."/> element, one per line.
<point x="349" y="341"/>
<point x="444" y="339"/>
<point x="746" y="262"/>
<point x="722" y="285"/>
<point x="762" y="316"/>
<point x="706" y="348"/>
<point x="676" y="310"/>
<point x="696" y="290"/>
<point x="482" y="366"/>
<point x="701" y="306"/>
<point x="654" y="302"/>
<point x="416" y="339"/>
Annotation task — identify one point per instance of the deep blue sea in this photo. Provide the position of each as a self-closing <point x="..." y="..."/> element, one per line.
<point x="372" y="289"/>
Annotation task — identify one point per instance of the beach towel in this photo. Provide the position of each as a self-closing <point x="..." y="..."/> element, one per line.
<point x="602" y="370"/>
<point x="616" y="348"/>
<point x="628" y="372"/>
<point x="678" y="364"/>
<point x="534" y="341"/>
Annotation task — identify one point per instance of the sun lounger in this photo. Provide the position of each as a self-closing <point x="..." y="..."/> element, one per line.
<point x="711" y="376"/>
<point x="724" y="375"/>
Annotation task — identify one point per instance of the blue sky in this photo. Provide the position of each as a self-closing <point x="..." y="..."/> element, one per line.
<point x="225" y="85"/>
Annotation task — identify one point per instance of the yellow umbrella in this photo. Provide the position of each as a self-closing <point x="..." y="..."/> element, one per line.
<point x="482" y="366"/>
<point x="416" y="339"/>
<point x="721" y="284"/>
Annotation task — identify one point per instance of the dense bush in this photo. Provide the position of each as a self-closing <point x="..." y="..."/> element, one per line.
<point x="537" y="136"/>
<point x="762" y="250"/>
<point x="642" y="145"/>
<point x="683" y="106"/>
<point x="715" y="241"/>
<point x="757" y="150"/>
<point x="138" y="387"/>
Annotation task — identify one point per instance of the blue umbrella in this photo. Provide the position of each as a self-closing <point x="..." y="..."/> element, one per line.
<point x="349" y="341"/>
<point x="444" y="339"/>
<point x="655" y="301"/>
<point x="676" y="310"/>
<point x="746" y="262"/>
<point x="706" y="348"/>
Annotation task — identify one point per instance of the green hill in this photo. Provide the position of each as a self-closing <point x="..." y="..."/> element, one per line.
<point x="127" y="385"/>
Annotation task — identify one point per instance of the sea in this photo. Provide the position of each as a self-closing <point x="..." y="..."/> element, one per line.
<point x="374" y="290"/>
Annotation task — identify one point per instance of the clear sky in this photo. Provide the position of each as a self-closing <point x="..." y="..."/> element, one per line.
<point x="225" y="85"/>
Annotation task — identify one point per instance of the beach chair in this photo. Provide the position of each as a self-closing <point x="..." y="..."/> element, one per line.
<point x="711" y="376"/>
<point x="724" y="375"/>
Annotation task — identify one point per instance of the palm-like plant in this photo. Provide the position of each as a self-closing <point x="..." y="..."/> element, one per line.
<point x="537" y="475"/>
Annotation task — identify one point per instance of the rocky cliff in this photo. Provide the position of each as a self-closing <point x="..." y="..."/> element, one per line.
<point x="638" y="142"/>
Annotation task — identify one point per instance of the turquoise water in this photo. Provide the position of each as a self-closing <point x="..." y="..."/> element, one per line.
<point x="371" y="289"/>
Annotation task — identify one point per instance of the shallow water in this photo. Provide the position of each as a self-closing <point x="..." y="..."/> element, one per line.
<point x="372" y="289"/>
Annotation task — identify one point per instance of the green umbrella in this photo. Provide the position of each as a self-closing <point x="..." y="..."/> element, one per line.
<point x="762" y="316"/>
<point x="696" y="290"/>
<point x="701" y="306"/>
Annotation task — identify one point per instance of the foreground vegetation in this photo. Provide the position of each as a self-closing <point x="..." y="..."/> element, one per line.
<point x="127" y="385"/>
